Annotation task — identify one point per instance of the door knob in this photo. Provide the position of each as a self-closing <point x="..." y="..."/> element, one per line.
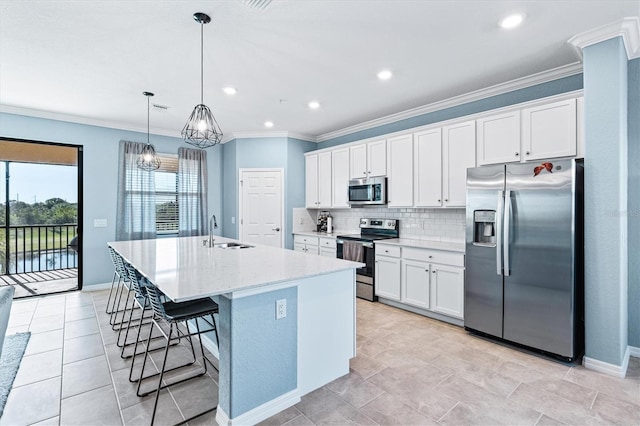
<point x="278" y="230"/>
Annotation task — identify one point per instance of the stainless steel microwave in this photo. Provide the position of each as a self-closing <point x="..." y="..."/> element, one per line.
<point x="367" y="192"/>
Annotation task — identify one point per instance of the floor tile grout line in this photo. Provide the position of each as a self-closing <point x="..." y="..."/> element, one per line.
<point x="594" y="400"/>
<point x="448" y="411"/>
<point x="514" y="389"/>
<point x="104" y="347"/>
<point x="538" y="420"/>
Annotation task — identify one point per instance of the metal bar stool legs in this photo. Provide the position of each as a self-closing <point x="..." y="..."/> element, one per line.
<point x="174" y="313"/>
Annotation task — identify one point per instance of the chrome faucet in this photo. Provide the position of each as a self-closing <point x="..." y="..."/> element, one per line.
<point x="213" y="224"/>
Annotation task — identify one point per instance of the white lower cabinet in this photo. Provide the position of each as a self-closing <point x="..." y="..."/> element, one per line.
<point x="388" y="277"/>
<point x="305" y="244"/>
<point x="327" y="247"/>
<point x="447" y="290"/>
<point x="432" y="280"/>
<point x="415" y="283"/>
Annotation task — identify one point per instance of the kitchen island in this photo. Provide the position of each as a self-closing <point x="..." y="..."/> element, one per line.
<point x="266" y="364"/>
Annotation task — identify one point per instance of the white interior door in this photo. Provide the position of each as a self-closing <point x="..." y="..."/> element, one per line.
<point x="261" y="207"/>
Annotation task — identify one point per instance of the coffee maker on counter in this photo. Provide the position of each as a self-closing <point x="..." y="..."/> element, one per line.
<point x="324" y="222"/>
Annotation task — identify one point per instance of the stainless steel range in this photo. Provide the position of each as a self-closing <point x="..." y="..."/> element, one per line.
<point x="360" y="248"/>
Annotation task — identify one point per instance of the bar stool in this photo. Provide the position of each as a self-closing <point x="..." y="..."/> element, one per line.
<point x="122" y="285"/>
<point x="141" y="300"/>
<point x="172" y="313"/>
<point x="114" y="283"/>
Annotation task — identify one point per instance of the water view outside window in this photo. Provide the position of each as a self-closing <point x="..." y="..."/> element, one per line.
<point x="43" y="217"/>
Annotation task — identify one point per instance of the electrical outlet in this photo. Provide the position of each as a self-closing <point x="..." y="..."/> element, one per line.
<point x="301" y="221"/>
<point x="281" y="308"/>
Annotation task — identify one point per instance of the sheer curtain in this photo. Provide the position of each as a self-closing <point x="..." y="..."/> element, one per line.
<point x="136" y="214"/>
<point x="192" y="192"/>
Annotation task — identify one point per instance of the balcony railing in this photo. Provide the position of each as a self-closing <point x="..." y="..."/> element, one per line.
<point x="36" y="248"/>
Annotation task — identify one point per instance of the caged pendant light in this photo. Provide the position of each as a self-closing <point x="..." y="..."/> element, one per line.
<point x="148" y="159"/>
<point x="202" y="129"/>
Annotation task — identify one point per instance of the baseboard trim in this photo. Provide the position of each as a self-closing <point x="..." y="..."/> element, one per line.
<point x="209" y="345"/>
<point x="619" y="371"/>
<point x="96" y="287"/>
<point x="261" y="412"/>
<point x="634" y="351"/>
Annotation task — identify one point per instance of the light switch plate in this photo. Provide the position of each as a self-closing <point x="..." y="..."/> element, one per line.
<point x="99" y="223"/>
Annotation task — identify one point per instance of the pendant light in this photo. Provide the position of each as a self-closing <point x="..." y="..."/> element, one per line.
<point x="148" y="160"/>
<point x="202" y="129"/>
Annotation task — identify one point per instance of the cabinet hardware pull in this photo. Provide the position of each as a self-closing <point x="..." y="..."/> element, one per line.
<point x="438" y="199"/>
<point x="434" y="271"/>
<point x="446" y="200"/>
<point x="527" y="153"/>
<point x="517" y="154"/>
<point x="430" y="257"/>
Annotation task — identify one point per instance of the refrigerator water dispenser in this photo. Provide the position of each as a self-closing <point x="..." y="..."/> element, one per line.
<point x="484" y="228"/>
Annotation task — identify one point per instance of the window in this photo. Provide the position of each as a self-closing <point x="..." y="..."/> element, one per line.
<point x="166" y="182"/>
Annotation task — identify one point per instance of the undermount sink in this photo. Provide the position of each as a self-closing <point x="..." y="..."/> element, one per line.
<point x="232" y="245"/>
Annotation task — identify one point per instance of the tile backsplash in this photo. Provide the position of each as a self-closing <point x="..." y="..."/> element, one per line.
<point x="447" y="225"/>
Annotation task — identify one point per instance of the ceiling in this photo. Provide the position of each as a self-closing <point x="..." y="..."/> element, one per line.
<point x="90" y="61"/>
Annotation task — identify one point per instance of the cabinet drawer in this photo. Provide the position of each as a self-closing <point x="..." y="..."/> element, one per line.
<point x="433" y="256"/>
<point x="328" y="242"/>
<point x="303" y="239"/>
<point x="384" y="250"/>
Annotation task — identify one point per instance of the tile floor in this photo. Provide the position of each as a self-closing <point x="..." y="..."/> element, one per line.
<point x="410" y="370"/>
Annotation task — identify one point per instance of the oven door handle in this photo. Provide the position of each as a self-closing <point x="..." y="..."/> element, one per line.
<point x="363" y="243"/>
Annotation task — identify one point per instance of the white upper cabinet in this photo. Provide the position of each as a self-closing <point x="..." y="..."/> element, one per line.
<point x="458" y="154"/>
<point x="324" y="180"/>
<point x="549" y="130"/>
<point x="400" y="173"/>
<point x="369" y="159"/>
<point x="358" y="161"/>
<point x="427" y="166"/>
<point x="340" y="177"/>
<point x="499" y="138"/>
<point x="318" y="180"/>
<point x="377" y="158"/>
<point x="311" y="181"/>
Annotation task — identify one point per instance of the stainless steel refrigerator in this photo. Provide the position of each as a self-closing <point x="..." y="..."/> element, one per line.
<point x="524" y="255"/>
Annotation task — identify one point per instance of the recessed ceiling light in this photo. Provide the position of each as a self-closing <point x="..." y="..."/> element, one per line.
<point x="230" y="90"/>
<point x="314" y="104"/>
<point x="385" y="75"/>
<point x="268" y="124"/>
<point x="512" y="21"/>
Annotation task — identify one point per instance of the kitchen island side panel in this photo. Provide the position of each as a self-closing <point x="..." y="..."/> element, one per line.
<point x="258" y="356"/>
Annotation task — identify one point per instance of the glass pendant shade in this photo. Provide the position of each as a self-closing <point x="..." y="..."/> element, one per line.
<point x="202" y="129"/>
<point x="148" y="159"/>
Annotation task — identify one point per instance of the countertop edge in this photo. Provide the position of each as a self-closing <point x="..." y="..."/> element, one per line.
<point x="425" y="244"/>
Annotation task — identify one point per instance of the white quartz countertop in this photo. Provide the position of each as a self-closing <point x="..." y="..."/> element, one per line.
<point x="185" y="269"/>
<point x="426" y="244"/>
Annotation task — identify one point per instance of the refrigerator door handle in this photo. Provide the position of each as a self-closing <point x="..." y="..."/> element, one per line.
<point x="499" y="232"/>
<point x="507" y="226"/>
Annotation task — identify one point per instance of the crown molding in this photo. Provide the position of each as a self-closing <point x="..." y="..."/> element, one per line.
<point x="10" y="109"/>
<point x="628" y="28"/>
<point x="267" y="134"/>
<point x="498" y="89"/>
